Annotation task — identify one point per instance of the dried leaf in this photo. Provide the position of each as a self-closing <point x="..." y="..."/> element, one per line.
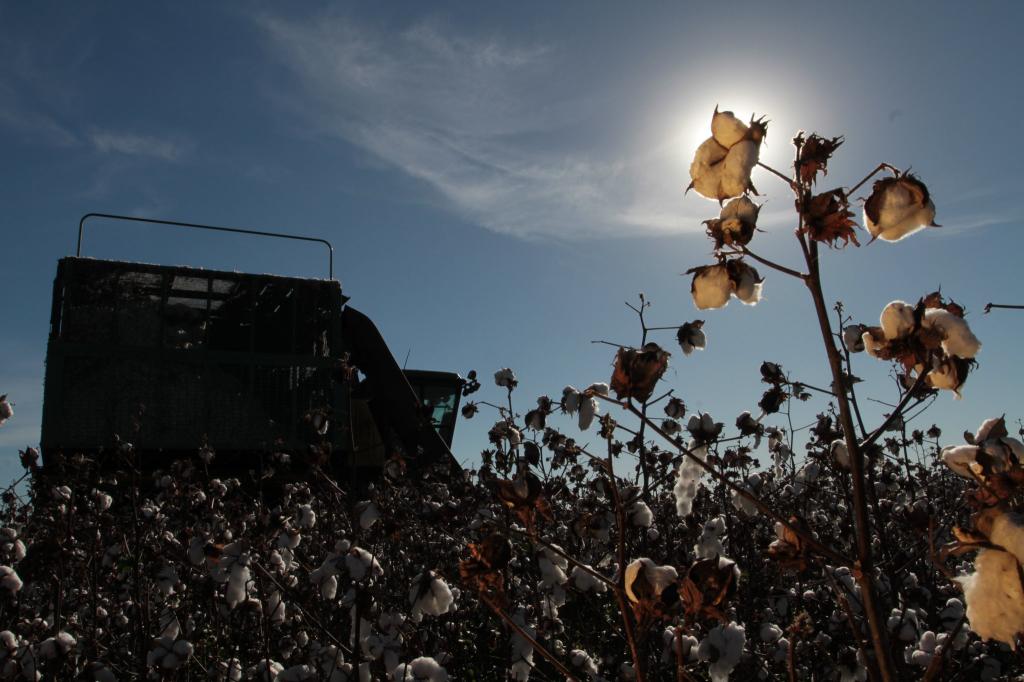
<point x="637" y="371"/>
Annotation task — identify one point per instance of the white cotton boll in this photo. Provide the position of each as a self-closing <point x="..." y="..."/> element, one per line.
<point x="853" y="338"/>
<point x="429" y="596"/>
<point x="726" y="129"/>
<point x="944" y="376"/>
<point x="770" y="632"/>
<point x="673" y="644"/>
<point x="723" y="647"/>
<point x="739" y="162"/>
<point x="748" y="288"/>
<point x="6" y="410"/>
<point x="599" y="388"/>
<point x="307" y="517"/>
<point x="995" y="600"/>
<point x="422" y="669"/>
<point x="741" y="208"/>
<point x="706" y="168"/>
<point x="237" y="585"/>
<point x="296" y="673"/>
<point x="840" y="454"/>
<point x="1008" y="532"/>
<point x="552" y="570"/>
<point x="359" y="562"/>
<point x="711" y="287"/>
<point x="584" y="580"/>
<point x="288" y="538"/>
<point x="570" y="400"/>
<point x="183" y="649"/>
<point x="873" y="343"/>
<point x="640" y="514"/>
<point x="959" y="458"/>
<point x="659" y="577"/>
<point x="505" y="378"/>
<point x="582" y="660"/>
<point x="957" y="337"/>
<point x="984" y="431"/>
<point x="899" y="208"/>
<point x="709" y="544"/>
<point x="897" y="320"/>
<point x="369" y="516"/>
<point x="9" y="580"/>
<point x="274" y="607"/>
<point x="588" y="409"/>
<point x="329" y="587"/>
<point x="520" y="671"/>
<point x="688" y="480"/>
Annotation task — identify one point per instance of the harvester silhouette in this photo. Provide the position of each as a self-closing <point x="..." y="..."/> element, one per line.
<point x="174" y="358"/>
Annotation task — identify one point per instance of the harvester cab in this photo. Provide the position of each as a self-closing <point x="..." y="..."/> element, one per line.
<point x="174" y="358"/>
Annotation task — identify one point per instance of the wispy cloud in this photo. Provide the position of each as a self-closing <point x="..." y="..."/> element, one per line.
<point x="132" y="144"/>
<point x="31" y="124"/>
<point x="483" y="122"/>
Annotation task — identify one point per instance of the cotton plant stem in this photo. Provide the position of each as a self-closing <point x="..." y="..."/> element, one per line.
<point x="778" y="174"/>
<point x="1007" y="306"/>
<point x="881" y="167"/>
<point x="627" y="613"/>
<point x="525" y="635"/>
<point x="862" y="525"/>
<point x="772" y="264"/>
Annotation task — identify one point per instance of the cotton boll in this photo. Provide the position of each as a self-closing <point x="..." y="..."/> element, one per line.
<point x="691" y="336"/>
<point x="359" y="562"/>
<point x="853" y="338"/>
<point x="688" y="481"/>
<point x="723" y="648"/>
<point x="9" y="580"/>
<point x="874" y="342"/>
<point x="748" y="285"/>
<point x="430" y="595"/>
<point x="7" y="410"/>
<point x="711" y="287"/>
<point x="570" y="400"/>
<point x="739" y="162"/>
<point x="423" y="669"/>
<point x="1008" y="532"/>
<point x="840" y="454"/>
<point x="726" y="129"/>
<point x="640" y="515"/>
<point x="588" y="409"/>
<point x="995" y="600"/>
<point x="582" y="660"/>
<point x="959" y="458"/>
<point x="897" y="208"/>
<point x="706" y="168"/>
<point x="307" y="517"/>
<point x="897" y="320"/>
<point x="741" y="208"/>
<point x="585" y="581"/>
<point x="370" y="515"/>
<point x="658" y="577"/>
<point x="709" y="544"/>
<point x="957" y="337"/>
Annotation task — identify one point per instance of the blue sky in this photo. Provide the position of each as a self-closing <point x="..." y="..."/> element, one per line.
<point x="499" y="178"/>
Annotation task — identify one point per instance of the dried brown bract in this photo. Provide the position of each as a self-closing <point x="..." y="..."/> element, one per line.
<point x="638" y="371"/>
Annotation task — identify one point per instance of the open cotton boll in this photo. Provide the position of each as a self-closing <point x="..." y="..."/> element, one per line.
<point x="748" y="286"/>
<point x="897" y="320"/>
<point x="429" y="595"/>
<point x="585" y="581"/>
<point x="369" y="516"/>
<point x="552" y="569"/>
<point x="9" y="580"/>
<point x="957" y="338"/>
<point x="742" y="208"/>
<point x="723" y="647"/>
<point x="359" y="562"/>
<point x="711" y="287"/>
<point x="709" y="544"/>
<point x="739" y="162"/>
<point x="1008" y="532"/>
<point x="582" y="660"/>
<point x="726" y="129"/>
<point x="853" y="338"/>
<point x="898" y="207"/>
<point x="688" y="480"/>
<point x="873" y="339"/>
<point x="706" y="168"/>
<point x="570" y="400"/>
<point x="840" y="454"/>
<point x="658" y="577"/>
<point x="995" y="600"/>
<point x="640" y="514"/>
<point x="959" y="458"/>
<point x="422" y="669"/>
<point x="588" y="409"/>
